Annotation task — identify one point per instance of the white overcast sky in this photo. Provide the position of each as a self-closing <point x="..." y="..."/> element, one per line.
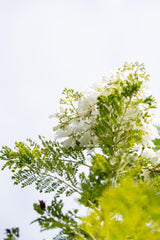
<point x="47" y="45"/>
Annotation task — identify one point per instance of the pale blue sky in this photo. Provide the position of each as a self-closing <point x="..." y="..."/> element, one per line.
<point x="47" y="45"/>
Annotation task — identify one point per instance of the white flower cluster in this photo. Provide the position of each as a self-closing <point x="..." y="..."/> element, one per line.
<point x="79" y="125"/>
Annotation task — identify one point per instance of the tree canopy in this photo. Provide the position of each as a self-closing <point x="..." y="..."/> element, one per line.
<point x="106" y="149"/>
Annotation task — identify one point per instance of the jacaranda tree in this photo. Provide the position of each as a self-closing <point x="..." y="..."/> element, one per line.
<point x="107" y="151"/>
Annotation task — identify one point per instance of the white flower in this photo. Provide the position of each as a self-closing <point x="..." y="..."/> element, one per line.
<point x="60" y="133"/>
<point x="101" y="84"/>
<point x="85" y="139"/>
<point x="62" y="109"/>
<point x="79" y="124"/>
<point x="146" y="89"/>
<point x="69" y="142"/>
<point x="126" y="64"/>
<point x="152" y="155"/>
<point x="146" y="174"/>
<point x="137" y="148"/>
<point x="89" y="99"/>
<point x="151" y="134"/>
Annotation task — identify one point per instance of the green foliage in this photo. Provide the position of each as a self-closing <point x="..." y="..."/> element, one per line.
<point x="157" y="143"/>
<point x="127" y="211"/>
<point x="113" y="129"/>
<point x="53" y="217"/>
<point x="51" y="167"/>
<point x="113" y="180"/>
<point x="12" y="234"/>
<point x="70" y="99"/>
<point x="100" y="176"/>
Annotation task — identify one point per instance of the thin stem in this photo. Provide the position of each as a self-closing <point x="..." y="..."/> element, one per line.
<point x="71" y="103"/>
<point x="68" y="160"/>
<point x="59" y="179"/>
<point x="84" y="164"/>
<point x="93" y="206"/>
<point x="123" y="117"/>
<point x="119" y="126"/>
<point x="78" y="234"/>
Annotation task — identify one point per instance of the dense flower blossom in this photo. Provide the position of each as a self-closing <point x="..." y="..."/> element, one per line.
<point x="77" y="121"/>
